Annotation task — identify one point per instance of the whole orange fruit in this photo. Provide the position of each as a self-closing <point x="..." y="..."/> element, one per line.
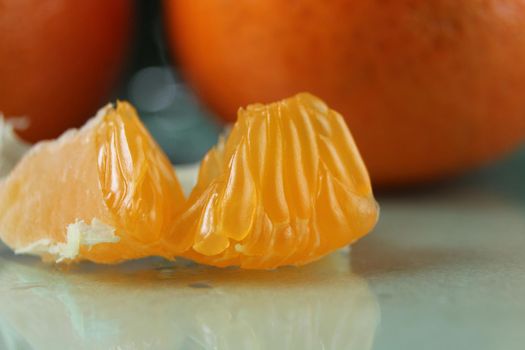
<point x="429" y="88"/>
<point x="59" y="59"/>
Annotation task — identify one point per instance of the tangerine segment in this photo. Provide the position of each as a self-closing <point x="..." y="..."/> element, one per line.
<point x="287" y="187"/>
<point x="104" y="193"/>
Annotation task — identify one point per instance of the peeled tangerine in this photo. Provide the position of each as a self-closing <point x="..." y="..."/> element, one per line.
<point x="104" y="193"/>
<point x="285" y="188"/>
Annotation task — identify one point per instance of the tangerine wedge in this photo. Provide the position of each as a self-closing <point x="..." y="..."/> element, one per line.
<point x="104" y="193"/>
<point x="287" y="187"/>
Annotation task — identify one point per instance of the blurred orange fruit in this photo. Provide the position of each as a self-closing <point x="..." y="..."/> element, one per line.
<point x="429" y="88"/>
<point x="60" y="59"/>
<point x="104" y="193"/>
<point x="287" y="187"/>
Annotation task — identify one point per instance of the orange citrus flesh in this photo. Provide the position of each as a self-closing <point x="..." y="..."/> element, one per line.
<point x="287" y="187"/>
<point x="104" y="193"/>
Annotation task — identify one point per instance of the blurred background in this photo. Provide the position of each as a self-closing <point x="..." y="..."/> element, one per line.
<point x="430" y="90"/>
<point x="182" y="125"/>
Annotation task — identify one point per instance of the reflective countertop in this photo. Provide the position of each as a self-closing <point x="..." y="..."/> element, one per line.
<point x="444" y="269"/>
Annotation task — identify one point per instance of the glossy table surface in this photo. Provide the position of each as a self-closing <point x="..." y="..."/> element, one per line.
<point x="444" y="269"/>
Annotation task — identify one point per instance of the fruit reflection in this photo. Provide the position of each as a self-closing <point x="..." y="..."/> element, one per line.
<point x="185" y="306"/>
